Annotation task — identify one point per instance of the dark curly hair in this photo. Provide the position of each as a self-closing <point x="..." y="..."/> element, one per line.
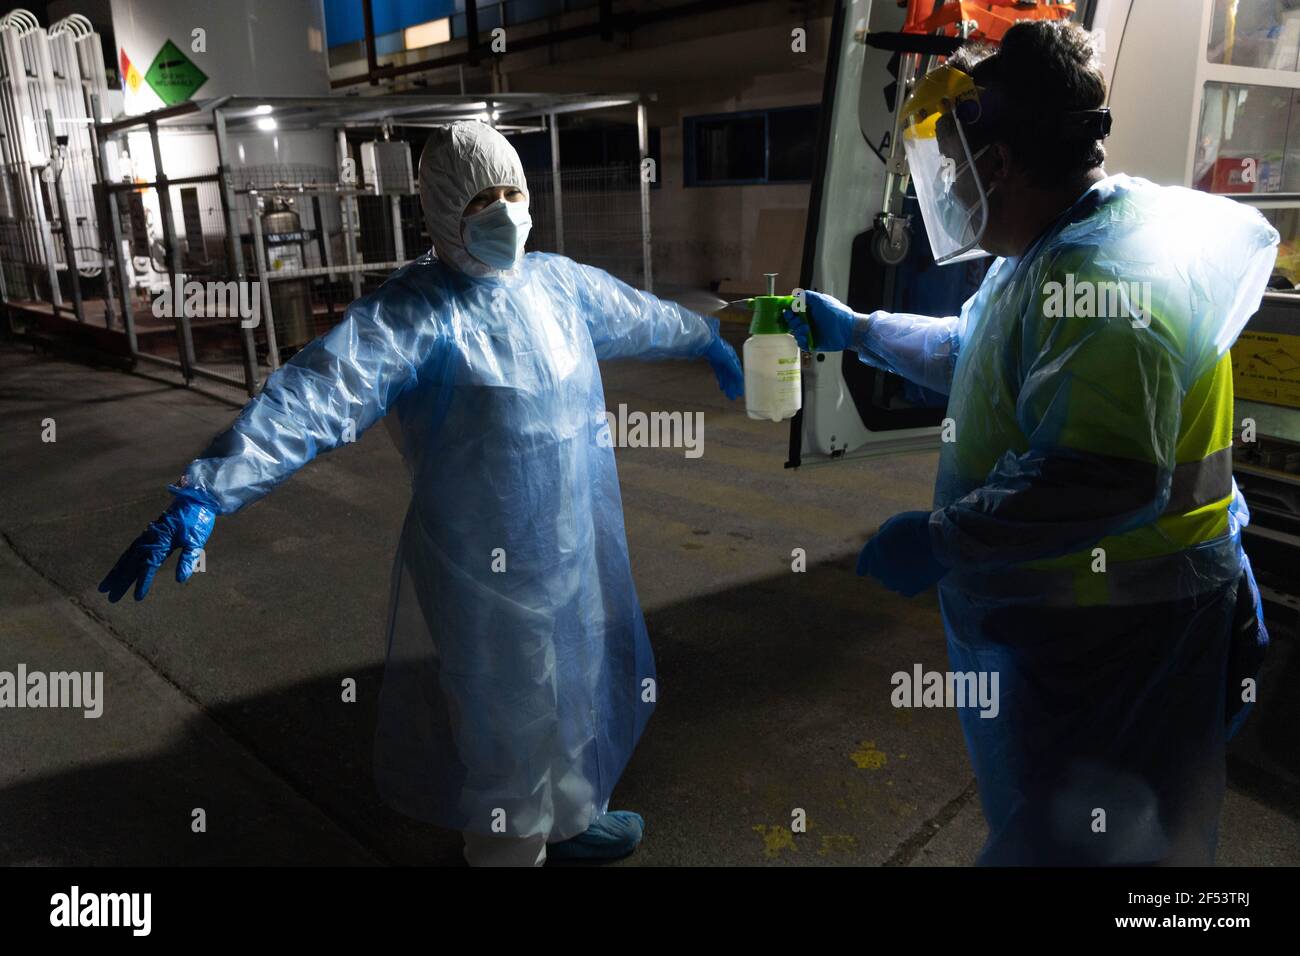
<point x="1042" y="71"/>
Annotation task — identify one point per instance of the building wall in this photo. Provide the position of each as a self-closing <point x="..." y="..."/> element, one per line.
<point x="738" y="58"/>
<point x="723" y="237"/>
<point x="728" y="236"/>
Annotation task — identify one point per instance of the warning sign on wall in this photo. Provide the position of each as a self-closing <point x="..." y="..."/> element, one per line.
<point x="173" y="75"/>
<point x="1266" y="368"/>
<point x="130" y="75"/>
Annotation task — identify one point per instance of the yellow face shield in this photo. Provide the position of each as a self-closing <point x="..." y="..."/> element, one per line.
<point x="953" y="200"/>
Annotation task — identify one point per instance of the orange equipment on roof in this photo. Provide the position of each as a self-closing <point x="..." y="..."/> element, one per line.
<point x="991" y="18"/>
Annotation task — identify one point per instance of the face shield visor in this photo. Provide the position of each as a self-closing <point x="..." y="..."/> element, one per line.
<point x="952" y="197"/>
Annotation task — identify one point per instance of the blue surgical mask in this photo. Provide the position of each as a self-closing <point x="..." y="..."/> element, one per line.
<point x="496" y="235"/>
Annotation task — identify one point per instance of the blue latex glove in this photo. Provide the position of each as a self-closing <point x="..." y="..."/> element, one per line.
<point x="901" y="556"/>
<point x="185" y="525"/>
<point x="832" y="321"/>
<point x="611" y="836"/>
<point x="726" y="366"/>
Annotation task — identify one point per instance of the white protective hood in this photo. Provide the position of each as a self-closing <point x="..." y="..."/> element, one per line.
<point x="459" y="161"/>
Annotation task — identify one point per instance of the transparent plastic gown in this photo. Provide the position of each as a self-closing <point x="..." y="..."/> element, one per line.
<point x="1117" y="689"/>
<point x="515" y="694"/>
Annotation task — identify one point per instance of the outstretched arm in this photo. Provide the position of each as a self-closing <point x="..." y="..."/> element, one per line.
<point x="331" y="392"/>
<point x="628" y="323"/>
<point x="920" y="348"/>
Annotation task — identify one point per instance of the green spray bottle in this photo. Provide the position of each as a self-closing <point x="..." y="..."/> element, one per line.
<point x="773" y="383"/>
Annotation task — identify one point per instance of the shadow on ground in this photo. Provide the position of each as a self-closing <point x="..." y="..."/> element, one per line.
<point x="749" y="727"/>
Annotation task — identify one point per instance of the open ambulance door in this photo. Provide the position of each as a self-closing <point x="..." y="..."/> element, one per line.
<point x="851" y="410"/>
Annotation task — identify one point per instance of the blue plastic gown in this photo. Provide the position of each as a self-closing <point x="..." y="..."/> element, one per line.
<point x="519" y="693"/>
<point x="1116" y="688"/>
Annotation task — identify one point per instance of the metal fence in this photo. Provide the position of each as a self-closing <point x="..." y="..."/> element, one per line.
<point x="600" y="217"/>
<point x="220" y="271"/>
<point x="307" y="247"/>
<point x="313" y="245"/>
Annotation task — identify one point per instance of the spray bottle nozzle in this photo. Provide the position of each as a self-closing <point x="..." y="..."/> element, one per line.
<point x="769" y="310"/>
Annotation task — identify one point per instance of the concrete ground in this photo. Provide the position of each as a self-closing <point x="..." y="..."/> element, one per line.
<point x="224" y="696"/>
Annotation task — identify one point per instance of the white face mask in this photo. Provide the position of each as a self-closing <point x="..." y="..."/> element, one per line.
<point x="496" y="235"/>
<point x="955" y="215"/>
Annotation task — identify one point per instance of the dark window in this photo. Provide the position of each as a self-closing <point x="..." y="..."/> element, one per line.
<point x="764" y="146"/>
<point x="730" y="150"/>
<point x="791" y="144"/>
<point x="345" y="20"/>
<point x="582" y="147"/>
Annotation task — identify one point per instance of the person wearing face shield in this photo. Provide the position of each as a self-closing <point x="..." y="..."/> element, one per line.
<point x="519" y="675"/>
<point x="1085" y="534"/>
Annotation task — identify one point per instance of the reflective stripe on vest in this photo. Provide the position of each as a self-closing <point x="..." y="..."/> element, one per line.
<point x="1199" y="483"/>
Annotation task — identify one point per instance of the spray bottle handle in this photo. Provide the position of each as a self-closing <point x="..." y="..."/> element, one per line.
<point x="789" y="304"/>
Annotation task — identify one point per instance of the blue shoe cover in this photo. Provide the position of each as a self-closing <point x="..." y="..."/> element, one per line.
<point x="613" y="835"/>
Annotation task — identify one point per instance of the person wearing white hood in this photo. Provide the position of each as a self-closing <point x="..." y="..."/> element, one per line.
<point x="519" y="675"/>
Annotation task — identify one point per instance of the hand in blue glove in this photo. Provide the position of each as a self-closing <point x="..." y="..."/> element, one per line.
<point x="901" y="556"/>
<point x="726" y="366"/>
<point x="832" y="323"/>
<point x="185" y="525"/>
